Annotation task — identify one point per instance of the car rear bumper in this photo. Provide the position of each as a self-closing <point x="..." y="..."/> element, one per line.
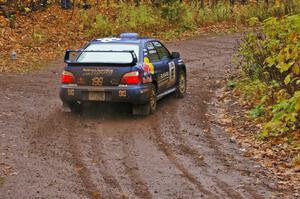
<point x="135" y="94"/>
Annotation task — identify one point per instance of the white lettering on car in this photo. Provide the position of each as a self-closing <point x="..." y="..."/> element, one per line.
<point x="109" y="39"/>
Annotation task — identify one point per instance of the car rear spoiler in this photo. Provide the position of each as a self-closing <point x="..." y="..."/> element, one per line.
<point x="74" y="62"/>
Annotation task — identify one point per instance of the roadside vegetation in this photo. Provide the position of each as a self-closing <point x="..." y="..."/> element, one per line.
<point x="38" y="31"/>
<point x="270" y="84"/>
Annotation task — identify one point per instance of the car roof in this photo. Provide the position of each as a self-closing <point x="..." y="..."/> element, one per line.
<point x="129" y="38"/>
<point x="121" y="40"/>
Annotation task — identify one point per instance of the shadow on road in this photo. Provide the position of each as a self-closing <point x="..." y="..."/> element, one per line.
<point x="107" y="110"/>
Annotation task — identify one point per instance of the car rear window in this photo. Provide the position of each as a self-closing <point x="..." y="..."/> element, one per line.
<point x="108" y="57"/>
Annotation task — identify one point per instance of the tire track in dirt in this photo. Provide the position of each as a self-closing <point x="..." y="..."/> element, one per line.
<point x="44" y="133"/>
<point x="120" y="130"/>
<point x="46" y="128"/>
<point x="73" y="127"/>
<point x="83" y="172"/>
<point x="141" y="189"/>
<point x="77" y="158"/>
<point x="198" y="158"/>
<point x="114" y="188"/>
<point x="167" y="150"/>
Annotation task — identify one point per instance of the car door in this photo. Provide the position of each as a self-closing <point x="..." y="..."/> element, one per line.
<point x="167" y="62"/>
<point x="161" y="69"/>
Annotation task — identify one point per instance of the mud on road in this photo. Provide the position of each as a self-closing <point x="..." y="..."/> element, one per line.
<point x="105" y="152"/>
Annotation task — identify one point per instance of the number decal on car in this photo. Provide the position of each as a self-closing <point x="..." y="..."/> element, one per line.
<point x="172" y="72"/>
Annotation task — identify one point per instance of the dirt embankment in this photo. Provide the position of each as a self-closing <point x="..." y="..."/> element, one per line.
<point x="179" y="152"/>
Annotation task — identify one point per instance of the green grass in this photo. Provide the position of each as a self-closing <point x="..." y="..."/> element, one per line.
<point x="168" y="19"/>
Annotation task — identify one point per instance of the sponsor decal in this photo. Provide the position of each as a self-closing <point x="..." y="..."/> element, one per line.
<point x="157" y="44"/>
<point x="97" y="81"/>
<point x="152" y="51"/>
<point x="180" y="62"/>
<point x="108" y="39"/>
<point x="145" y="52"/>
<point x="96" y="71"/>
<point x="122" y="93"/>
<point x="150" y="46"/>
<point x="71" y="92"/>
<point x="164" y="75"/>
<point x="163" y="78"/>
<point x="148" y="70"/>
<point x="151" y="66"/>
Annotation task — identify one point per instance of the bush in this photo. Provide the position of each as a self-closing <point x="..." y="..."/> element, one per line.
<point x="102" y="25"/>
<point x="272" y="57"/>
<point x="131" y="18"/>
<point x="180" y="15"/>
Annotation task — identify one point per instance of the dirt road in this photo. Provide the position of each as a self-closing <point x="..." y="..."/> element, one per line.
<point x="179" y="152"/>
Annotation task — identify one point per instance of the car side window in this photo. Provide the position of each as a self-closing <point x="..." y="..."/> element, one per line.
<point x="152" y="52"/>
<point x="161" y="50"/>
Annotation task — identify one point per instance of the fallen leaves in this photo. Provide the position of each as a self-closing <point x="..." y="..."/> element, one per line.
<point x="278" y="155"/>
<point x="6" y="169"/>
<point x="41" y="37"/>
<point x="95" y="194"/>
<point x="226" y="121"/>
<point x="78" y="168"/>
<point x="44" y="36"/>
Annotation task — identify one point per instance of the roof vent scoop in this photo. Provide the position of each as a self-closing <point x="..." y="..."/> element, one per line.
<point x="129" y="35"/>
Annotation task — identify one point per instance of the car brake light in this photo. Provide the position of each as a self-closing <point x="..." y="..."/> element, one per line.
<point x="131" y="78"/>
<point x="67" y="77"/>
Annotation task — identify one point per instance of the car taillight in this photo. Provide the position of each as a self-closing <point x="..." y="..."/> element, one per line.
<point x="131" y="78"/>
<point x="67" y="77"/>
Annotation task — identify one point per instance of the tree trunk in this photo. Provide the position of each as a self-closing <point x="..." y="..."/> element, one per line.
<point x="201" y="3"/>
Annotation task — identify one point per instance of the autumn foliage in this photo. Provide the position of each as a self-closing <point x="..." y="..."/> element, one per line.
<point x="39" y="31"/>
<point x="270" y="60"/>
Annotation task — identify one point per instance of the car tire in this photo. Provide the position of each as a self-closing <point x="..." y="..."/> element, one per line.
<point x="181" y="85"/>
<point x="150" y="107"/>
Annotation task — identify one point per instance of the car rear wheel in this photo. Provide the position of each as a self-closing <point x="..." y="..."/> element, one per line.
<point x="150" y="107"/>
<point x="181" y="85"/>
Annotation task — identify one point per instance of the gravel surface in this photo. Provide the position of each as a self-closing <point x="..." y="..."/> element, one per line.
<point x="105" y="152"/>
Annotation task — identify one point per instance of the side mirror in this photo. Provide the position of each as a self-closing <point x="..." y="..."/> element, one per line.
<point x="175" y="55"/>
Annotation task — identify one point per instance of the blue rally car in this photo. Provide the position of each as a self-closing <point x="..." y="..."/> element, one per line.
<point x="124" y="69"/>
